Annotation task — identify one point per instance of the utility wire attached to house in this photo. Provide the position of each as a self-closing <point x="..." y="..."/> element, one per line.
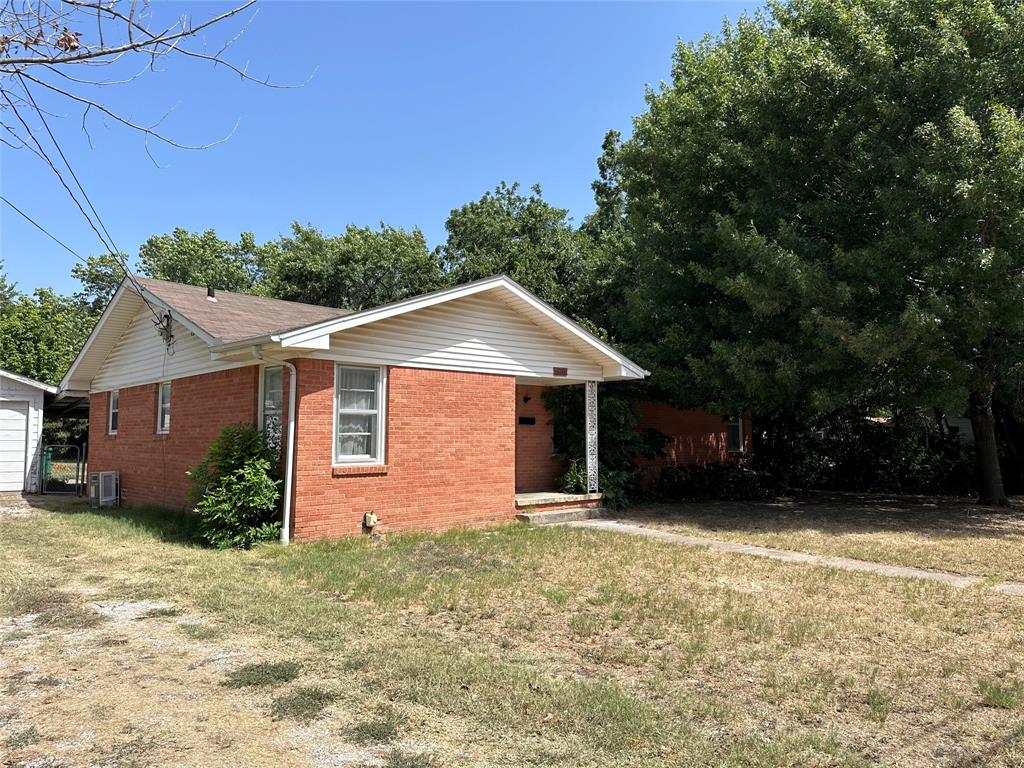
<point x="95" y="221"/>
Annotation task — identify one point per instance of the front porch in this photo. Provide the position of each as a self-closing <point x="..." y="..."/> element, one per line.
<point x="547" y="507"/>
<point x="538" y="469"/>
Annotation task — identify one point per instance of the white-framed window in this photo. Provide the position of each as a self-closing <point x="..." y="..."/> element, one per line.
<point x="359" y="414"/>
<point x="734" y="434"/>
<point x="163" y="408"/>
<point x="115" y="398"/>
<point x="272" y="404"/>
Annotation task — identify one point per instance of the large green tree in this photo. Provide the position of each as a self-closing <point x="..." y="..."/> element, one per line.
<point x="524" y="237"/>
<point x="360" y="268"/>
<point x="826" y="203"/>
<point x="41" y="334"/>
<point x="203" y="258"/>
<point x="100" y="276"/>
<point x="610" y="269"/>
<point x="194" y="258"/>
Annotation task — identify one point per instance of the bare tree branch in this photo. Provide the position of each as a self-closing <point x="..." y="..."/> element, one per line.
<point x="69" y="42"/>
<point x="40" y="40"/>
<point x="148" y="130"/>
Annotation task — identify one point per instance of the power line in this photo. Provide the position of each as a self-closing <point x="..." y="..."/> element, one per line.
<point x="114" y="250"/>
<point x="71" y="170"/>
<point x="43" y="229"/>
<point x="53" y="168"/>
<point x="109" y="245"/>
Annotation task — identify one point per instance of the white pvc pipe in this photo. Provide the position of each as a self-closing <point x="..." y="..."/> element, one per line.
<point x="289" y="457"/>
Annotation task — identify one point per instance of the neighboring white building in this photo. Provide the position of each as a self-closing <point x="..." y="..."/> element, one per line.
<point x="21" y="430"/>
<point x="961" y="427"/>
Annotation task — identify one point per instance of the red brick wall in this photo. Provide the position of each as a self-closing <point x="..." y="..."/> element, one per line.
<point x="450" y="453"/>
<point x="535" y="469"/>
<point x="696" y="436"/>
<point x="153" y="466"/>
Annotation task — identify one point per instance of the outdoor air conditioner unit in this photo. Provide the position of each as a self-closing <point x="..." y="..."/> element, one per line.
<point x="104" y="489"/>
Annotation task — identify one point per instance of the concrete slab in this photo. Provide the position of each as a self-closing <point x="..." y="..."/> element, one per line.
<point x="791" y="556"/>
<point x="557" y="516"/>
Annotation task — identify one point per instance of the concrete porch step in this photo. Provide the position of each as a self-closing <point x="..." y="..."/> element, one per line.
<point x="543" y="498"/>
<point x="562" y="515"/>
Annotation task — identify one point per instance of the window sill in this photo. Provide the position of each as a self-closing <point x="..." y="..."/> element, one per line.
<point x="347" y="470"/>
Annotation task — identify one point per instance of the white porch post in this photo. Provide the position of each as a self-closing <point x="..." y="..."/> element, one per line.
<point x="591" y="409"/>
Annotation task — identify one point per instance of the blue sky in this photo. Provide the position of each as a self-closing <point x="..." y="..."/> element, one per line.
<point x="413" y="109"/>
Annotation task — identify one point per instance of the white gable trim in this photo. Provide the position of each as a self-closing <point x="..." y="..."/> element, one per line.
<point x="99" y="345"/>
<point x="91" y="341"/>
<point x="317" y="336"/>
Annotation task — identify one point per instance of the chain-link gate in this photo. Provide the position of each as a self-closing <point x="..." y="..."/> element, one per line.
<point x="62" y="470"/>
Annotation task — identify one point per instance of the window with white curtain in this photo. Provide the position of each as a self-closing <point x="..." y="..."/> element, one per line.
<point x="358" y="415"/>
<point x="734" y="434"/>
<point x="163" y="408"/>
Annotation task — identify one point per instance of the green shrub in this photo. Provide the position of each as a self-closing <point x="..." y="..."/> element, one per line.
<point x="239" y="510"/>
<point x="619" y="445"/>
<point x="849" y="451"/>
<point x="732" y="482"/>
<point x="236" y="446"/>
<point x="613" y="483"/>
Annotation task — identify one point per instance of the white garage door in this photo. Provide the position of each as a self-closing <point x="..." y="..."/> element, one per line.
<point x="13" y="439"/>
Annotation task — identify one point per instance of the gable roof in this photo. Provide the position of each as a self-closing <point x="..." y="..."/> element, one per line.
<point x="315" y="336"/>
<point x="232" y="317"/>
<point x="234" y="322"/>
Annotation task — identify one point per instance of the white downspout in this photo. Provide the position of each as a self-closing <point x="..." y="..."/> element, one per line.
<point x="289" y="456"/>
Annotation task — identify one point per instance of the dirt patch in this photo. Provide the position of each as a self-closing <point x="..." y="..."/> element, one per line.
<point x="15" y="505"/>
<point x="135" y="691"/>
<point x="128" y="692"/>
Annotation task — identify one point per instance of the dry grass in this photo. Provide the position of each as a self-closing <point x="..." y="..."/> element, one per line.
<point x="508" y="646"/>
<point x="940" y="534"/>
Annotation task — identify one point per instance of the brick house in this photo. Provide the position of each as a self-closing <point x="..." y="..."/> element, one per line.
<point x="426" y="412"/>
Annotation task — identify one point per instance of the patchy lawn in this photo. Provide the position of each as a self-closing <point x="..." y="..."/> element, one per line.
<point x="937" y="533"/>
<point x="125" y="645"/>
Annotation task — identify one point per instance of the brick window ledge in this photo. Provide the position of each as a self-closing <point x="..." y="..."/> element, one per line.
<point x="359" y="469"/>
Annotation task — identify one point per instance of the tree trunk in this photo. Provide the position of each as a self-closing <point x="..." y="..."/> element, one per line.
<point x="983" y="424"/>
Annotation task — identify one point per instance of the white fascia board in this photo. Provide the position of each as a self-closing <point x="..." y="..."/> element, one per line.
<point x="617" y="372"/>
<point x="318" y="336"/>
<point x="107" y="310"/>
<point x="323" y="341"/>
<point x="66" y="394"/>
<point x="633" y="370"/>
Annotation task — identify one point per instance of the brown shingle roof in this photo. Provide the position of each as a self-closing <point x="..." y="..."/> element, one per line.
<point x="236" y="317"/>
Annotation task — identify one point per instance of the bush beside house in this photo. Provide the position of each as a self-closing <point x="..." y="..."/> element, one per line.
<point x="235" y="489"/>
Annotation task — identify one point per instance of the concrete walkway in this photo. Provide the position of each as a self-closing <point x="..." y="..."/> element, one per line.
<point x="790" y="556"/>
